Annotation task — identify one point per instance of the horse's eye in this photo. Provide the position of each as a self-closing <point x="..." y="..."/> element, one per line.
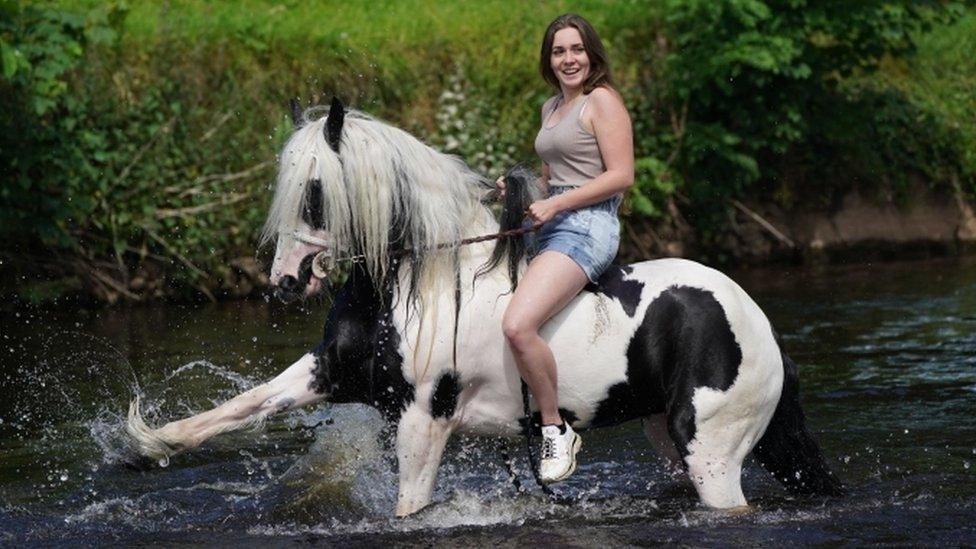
<point x="312" y="212"/>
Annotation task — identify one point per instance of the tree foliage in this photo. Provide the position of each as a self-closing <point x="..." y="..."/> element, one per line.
<point x="757" y="87"/>
<point x="137" y="143"/>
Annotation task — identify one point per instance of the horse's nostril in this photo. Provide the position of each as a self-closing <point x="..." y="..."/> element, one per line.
<point x="289" y="289"/>
<point x="285" y="296"/>
<point x="288" y="283"/>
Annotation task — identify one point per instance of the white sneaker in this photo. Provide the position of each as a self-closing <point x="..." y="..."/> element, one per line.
<point x="558" y="453"/>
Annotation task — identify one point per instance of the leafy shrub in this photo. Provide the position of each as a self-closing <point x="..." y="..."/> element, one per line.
<point x="466" y="127"/>
<point x="761" y="81"/>
<point x="137" y="141"/>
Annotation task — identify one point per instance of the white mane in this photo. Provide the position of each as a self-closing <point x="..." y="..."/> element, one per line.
<point x="383" y="185"/>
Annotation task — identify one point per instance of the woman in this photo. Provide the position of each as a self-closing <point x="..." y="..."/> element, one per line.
<point x="586" y="147"/>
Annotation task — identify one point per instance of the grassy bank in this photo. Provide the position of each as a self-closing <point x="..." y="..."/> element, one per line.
<point x="153" y="126"/>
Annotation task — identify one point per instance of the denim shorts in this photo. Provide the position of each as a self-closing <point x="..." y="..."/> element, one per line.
<point x="589" y="235"/>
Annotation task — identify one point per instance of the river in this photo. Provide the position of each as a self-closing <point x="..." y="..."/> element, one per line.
<point x="887" y="358"/>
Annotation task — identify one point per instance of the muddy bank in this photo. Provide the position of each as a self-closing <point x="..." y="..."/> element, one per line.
<point x="860" y="226"/>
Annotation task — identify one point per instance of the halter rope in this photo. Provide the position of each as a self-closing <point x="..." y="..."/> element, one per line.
<point x="324" y="261"/>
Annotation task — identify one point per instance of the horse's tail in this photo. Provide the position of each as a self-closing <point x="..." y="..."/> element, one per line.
<point x="519" y="195"/>
<point x="788" y="450"/>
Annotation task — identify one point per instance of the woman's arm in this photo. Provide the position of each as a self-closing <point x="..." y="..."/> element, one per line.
<point x="615" y="138"/>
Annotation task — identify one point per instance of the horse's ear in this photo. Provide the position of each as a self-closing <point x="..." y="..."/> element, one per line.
<point x="333" y="124"/>
<point x="296" y="112"/>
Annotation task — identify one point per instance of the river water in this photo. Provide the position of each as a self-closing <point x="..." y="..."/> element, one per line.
<point x="887" y="358"/>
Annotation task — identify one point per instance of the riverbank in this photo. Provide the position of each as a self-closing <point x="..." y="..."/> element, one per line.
<point x="860" y="229"/>
<point x="861" y="226"/>
<point x="141" y="138"/>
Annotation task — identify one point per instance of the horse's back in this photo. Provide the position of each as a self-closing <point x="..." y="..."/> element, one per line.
<point x="613" y="344"/>
<point x="642" y="326"/>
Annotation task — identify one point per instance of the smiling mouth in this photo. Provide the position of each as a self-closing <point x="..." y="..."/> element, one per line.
<point x="570" y="72"/>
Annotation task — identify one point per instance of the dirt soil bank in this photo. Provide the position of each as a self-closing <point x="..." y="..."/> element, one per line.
<point x="858" y="227"/>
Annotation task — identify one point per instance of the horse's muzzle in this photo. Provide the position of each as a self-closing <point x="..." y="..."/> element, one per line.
<point x="289" y="289"/>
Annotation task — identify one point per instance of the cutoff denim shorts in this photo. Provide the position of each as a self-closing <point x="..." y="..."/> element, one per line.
<point x="589" y="235"/>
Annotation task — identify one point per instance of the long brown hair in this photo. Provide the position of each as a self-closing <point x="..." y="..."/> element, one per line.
<point x="599" y="63"/>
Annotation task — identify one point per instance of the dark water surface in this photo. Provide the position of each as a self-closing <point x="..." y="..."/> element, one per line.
<point x="887" y="357"/>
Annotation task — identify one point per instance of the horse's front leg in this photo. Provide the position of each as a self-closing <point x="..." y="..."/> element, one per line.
<point x="290" y="389"/>
<point x="421" y="439"/>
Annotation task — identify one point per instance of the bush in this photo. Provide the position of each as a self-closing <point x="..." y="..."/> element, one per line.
<point x="138" y="141"/>
<point x="759" y="88"/>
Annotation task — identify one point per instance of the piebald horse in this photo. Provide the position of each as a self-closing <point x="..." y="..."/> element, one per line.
<point x="415" y="331"/>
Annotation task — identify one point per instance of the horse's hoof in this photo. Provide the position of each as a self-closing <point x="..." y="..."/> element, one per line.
<point x="137" y="462"/>
<point x="741" y="510"/>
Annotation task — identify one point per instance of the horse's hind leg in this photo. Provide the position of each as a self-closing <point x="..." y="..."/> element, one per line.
<point x="290" y="389"/>
<point x="714" y="443"/>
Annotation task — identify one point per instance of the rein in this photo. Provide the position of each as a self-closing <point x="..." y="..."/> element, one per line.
<point x="324" y="261"/>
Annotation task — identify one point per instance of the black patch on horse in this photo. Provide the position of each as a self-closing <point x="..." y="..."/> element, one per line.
<point x="359" y="358"/>
<point x="684" y="342"/>
<point x="333" y="124"/>
<point x="445" y="397"/>
<point x="312" y="212"/>
<point x="612" y="284"/>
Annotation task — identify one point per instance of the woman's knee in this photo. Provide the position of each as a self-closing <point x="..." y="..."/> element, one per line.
<point x="517" y="331"/>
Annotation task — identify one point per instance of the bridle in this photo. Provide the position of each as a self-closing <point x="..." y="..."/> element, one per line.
<point x="305" y="238"/>
<point x="326" y="260"/>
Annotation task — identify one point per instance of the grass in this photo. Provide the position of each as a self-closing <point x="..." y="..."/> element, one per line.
<point x="216" y="77"/>
<point x="407" y="46"/>
<point x="941" y="78"/>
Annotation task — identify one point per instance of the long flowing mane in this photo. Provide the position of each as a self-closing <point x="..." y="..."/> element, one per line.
<point x="384" y="189"/>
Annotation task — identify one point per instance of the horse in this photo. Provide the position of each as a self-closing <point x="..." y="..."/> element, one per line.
<point x="415" y="330"/>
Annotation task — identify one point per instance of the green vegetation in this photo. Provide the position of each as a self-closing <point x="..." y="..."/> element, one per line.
<point x="138" y="141"/>
<point x="780" y="98"/>
<point x="940" y="81"/>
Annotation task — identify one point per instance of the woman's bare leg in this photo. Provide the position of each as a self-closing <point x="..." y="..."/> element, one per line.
<point x="550" y="282"/>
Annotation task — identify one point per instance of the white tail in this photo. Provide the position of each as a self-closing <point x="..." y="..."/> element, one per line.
<point x="146" y="440"/>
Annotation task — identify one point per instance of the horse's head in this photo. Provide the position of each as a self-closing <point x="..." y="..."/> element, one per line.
<point x="297" y="221"/>
<point x="352" y="185"/>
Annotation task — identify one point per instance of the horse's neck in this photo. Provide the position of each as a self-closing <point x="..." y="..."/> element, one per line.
<point x="468" y="271"/>
<point x="482" y="223"/>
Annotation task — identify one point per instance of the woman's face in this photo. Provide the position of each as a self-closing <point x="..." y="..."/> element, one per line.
<point x="568" y="58"/>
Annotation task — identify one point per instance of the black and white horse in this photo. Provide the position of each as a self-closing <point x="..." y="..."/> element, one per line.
<point x="418" y="336"/>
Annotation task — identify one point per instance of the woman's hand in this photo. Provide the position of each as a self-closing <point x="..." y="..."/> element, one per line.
<point x="500" y="183"/>
<point x="542" y="211"/>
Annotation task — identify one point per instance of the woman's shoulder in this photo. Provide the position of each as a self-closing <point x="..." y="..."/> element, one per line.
<point x="549" y="105"/>
<point x="606" y="102"/>
<point x="605" y="96"/>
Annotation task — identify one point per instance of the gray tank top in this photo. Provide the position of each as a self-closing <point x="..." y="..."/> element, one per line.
<point x="570" y="151"/>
